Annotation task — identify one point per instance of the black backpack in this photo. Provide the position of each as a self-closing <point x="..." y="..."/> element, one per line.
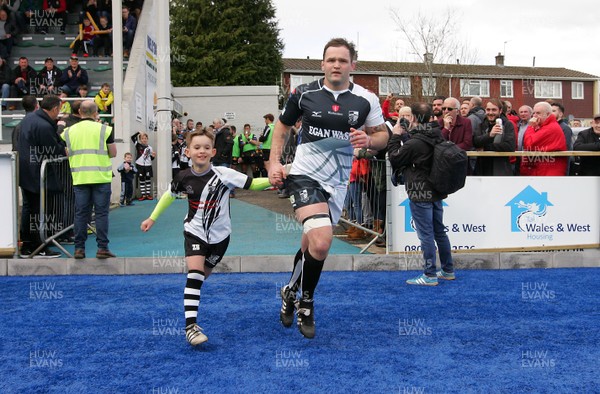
<point x="449" y="167"/>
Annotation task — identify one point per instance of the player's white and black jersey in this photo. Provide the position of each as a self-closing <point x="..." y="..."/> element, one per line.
<point x="325" y="153"/>
<point x="208" y="200"/>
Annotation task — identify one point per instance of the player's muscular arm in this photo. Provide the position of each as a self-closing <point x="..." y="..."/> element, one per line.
<point x="379" y="136"/>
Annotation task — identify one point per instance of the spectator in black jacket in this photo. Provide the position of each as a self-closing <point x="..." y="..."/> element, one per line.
<point x="559" y="111"/>
<point x="30" y="104"/>
<point x="415" y="159"/>
<point x="223" y="144"/>
<point x="589" y="140"/>
<point x="5" y="81"/>
<point x="37" y="142"/>
<point x="73" y="76"/>
<point x="48" y="79"/>
<point x="23" y="79"/>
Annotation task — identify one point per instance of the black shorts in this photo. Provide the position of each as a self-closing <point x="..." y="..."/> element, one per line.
<point x="194" y="246"/>
<point x="145" y="171"/>
<point x="304" y="191"/>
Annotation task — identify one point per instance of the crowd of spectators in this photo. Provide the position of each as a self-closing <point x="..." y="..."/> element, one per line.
<point x="40" y="16"/>
<point x="495" y="125"/>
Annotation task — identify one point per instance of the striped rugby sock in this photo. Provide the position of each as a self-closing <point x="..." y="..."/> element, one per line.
<point x="191" y="295"/>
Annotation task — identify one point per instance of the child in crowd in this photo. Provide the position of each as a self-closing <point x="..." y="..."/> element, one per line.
<point x="104" y="99"/>
<point x="65" y="106"/>
<point x="207" y="226"/>
<point x="145" y="155"/>
<point x="184" y="161"/>
<point x="103" y="39"/>
<point x="84" y="39"/>
<point x="175" y="153"/>
<point x="82" y="91"/>
<point x="127" y="170"/>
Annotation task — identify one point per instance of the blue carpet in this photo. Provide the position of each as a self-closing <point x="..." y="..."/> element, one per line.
<point x="255" y="231"/>
<point x="489" y="331"/>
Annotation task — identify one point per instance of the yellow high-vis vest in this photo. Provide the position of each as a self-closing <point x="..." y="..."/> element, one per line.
<point x="88" y="153"/>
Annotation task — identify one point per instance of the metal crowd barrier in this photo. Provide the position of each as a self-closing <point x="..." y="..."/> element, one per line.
<point x="366" y="207"/>
<point x="57" y="203"/>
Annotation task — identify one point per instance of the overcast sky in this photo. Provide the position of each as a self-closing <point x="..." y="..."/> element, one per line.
<point x="558" y="33"/>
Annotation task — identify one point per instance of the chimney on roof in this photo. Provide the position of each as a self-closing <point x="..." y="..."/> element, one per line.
<point x="500" y="60"/>
<point x="428" y="57"/>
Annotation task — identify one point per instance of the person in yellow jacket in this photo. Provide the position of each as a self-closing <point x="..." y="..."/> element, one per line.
<point x="104" y="99"/>
<point x="90" y="145"/>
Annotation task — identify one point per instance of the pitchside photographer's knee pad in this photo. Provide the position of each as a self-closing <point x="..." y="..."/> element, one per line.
<point x="316" y="221"/>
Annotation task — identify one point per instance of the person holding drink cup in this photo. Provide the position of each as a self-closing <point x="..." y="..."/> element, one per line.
<point x="497" y="134"/>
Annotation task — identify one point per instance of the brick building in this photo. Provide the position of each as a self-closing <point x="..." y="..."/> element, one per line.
<point x="576" y="90"/>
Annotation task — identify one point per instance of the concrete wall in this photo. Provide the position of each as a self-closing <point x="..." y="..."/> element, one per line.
<point x="245" y="104"/>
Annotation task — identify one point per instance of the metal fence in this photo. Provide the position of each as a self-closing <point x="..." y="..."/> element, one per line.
<point x="365" y="209"/>
<point x="57" y="203"/>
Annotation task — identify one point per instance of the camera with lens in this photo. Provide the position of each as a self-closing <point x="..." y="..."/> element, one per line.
<point x="404" y="123"/>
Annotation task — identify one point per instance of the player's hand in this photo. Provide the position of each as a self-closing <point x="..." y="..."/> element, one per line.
<point x="147" y="225"/>
<point x="359" y="139"/>
<point x="276" y="174"/>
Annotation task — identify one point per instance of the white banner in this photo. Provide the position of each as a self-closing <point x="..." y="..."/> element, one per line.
<point x="151" y="81"/>
<point x="509" y="213"/>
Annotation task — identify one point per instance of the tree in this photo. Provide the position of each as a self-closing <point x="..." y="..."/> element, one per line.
<point x="434" y="39"/>
<point x="224" y="43"/>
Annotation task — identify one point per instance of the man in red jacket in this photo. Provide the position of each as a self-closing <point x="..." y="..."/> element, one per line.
<point x="543" y="135"/>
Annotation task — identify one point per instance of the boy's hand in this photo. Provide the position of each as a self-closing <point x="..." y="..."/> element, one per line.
<point x="276" y="174"/>
<point x="147" y="224"/>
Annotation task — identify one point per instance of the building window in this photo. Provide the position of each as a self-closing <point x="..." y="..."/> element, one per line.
<point x="297" y="80"/>
<point x="577" y="90"/>
<point x="429" y="86"/>
<point x="548" y="89"/>
<point x="506" y="88"/>
<point x="474" y="87"/>
<point x="397" y="86"/>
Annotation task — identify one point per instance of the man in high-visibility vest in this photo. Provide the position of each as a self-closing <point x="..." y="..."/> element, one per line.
<point x="90" y="145"/>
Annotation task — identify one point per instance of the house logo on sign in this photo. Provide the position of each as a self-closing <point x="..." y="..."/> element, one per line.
<point x="527" y="210"/>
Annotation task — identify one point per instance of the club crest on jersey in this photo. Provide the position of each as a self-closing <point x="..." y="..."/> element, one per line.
<point x="189" y="189"/>
<point x="352" y="117"/>
<point x="335" y="107"/>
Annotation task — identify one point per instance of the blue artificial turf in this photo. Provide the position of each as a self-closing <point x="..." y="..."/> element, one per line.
<point x="513" y="331"/>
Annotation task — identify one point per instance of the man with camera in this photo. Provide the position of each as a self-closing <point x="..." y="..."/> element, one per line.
<point x="413" y="156"/>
